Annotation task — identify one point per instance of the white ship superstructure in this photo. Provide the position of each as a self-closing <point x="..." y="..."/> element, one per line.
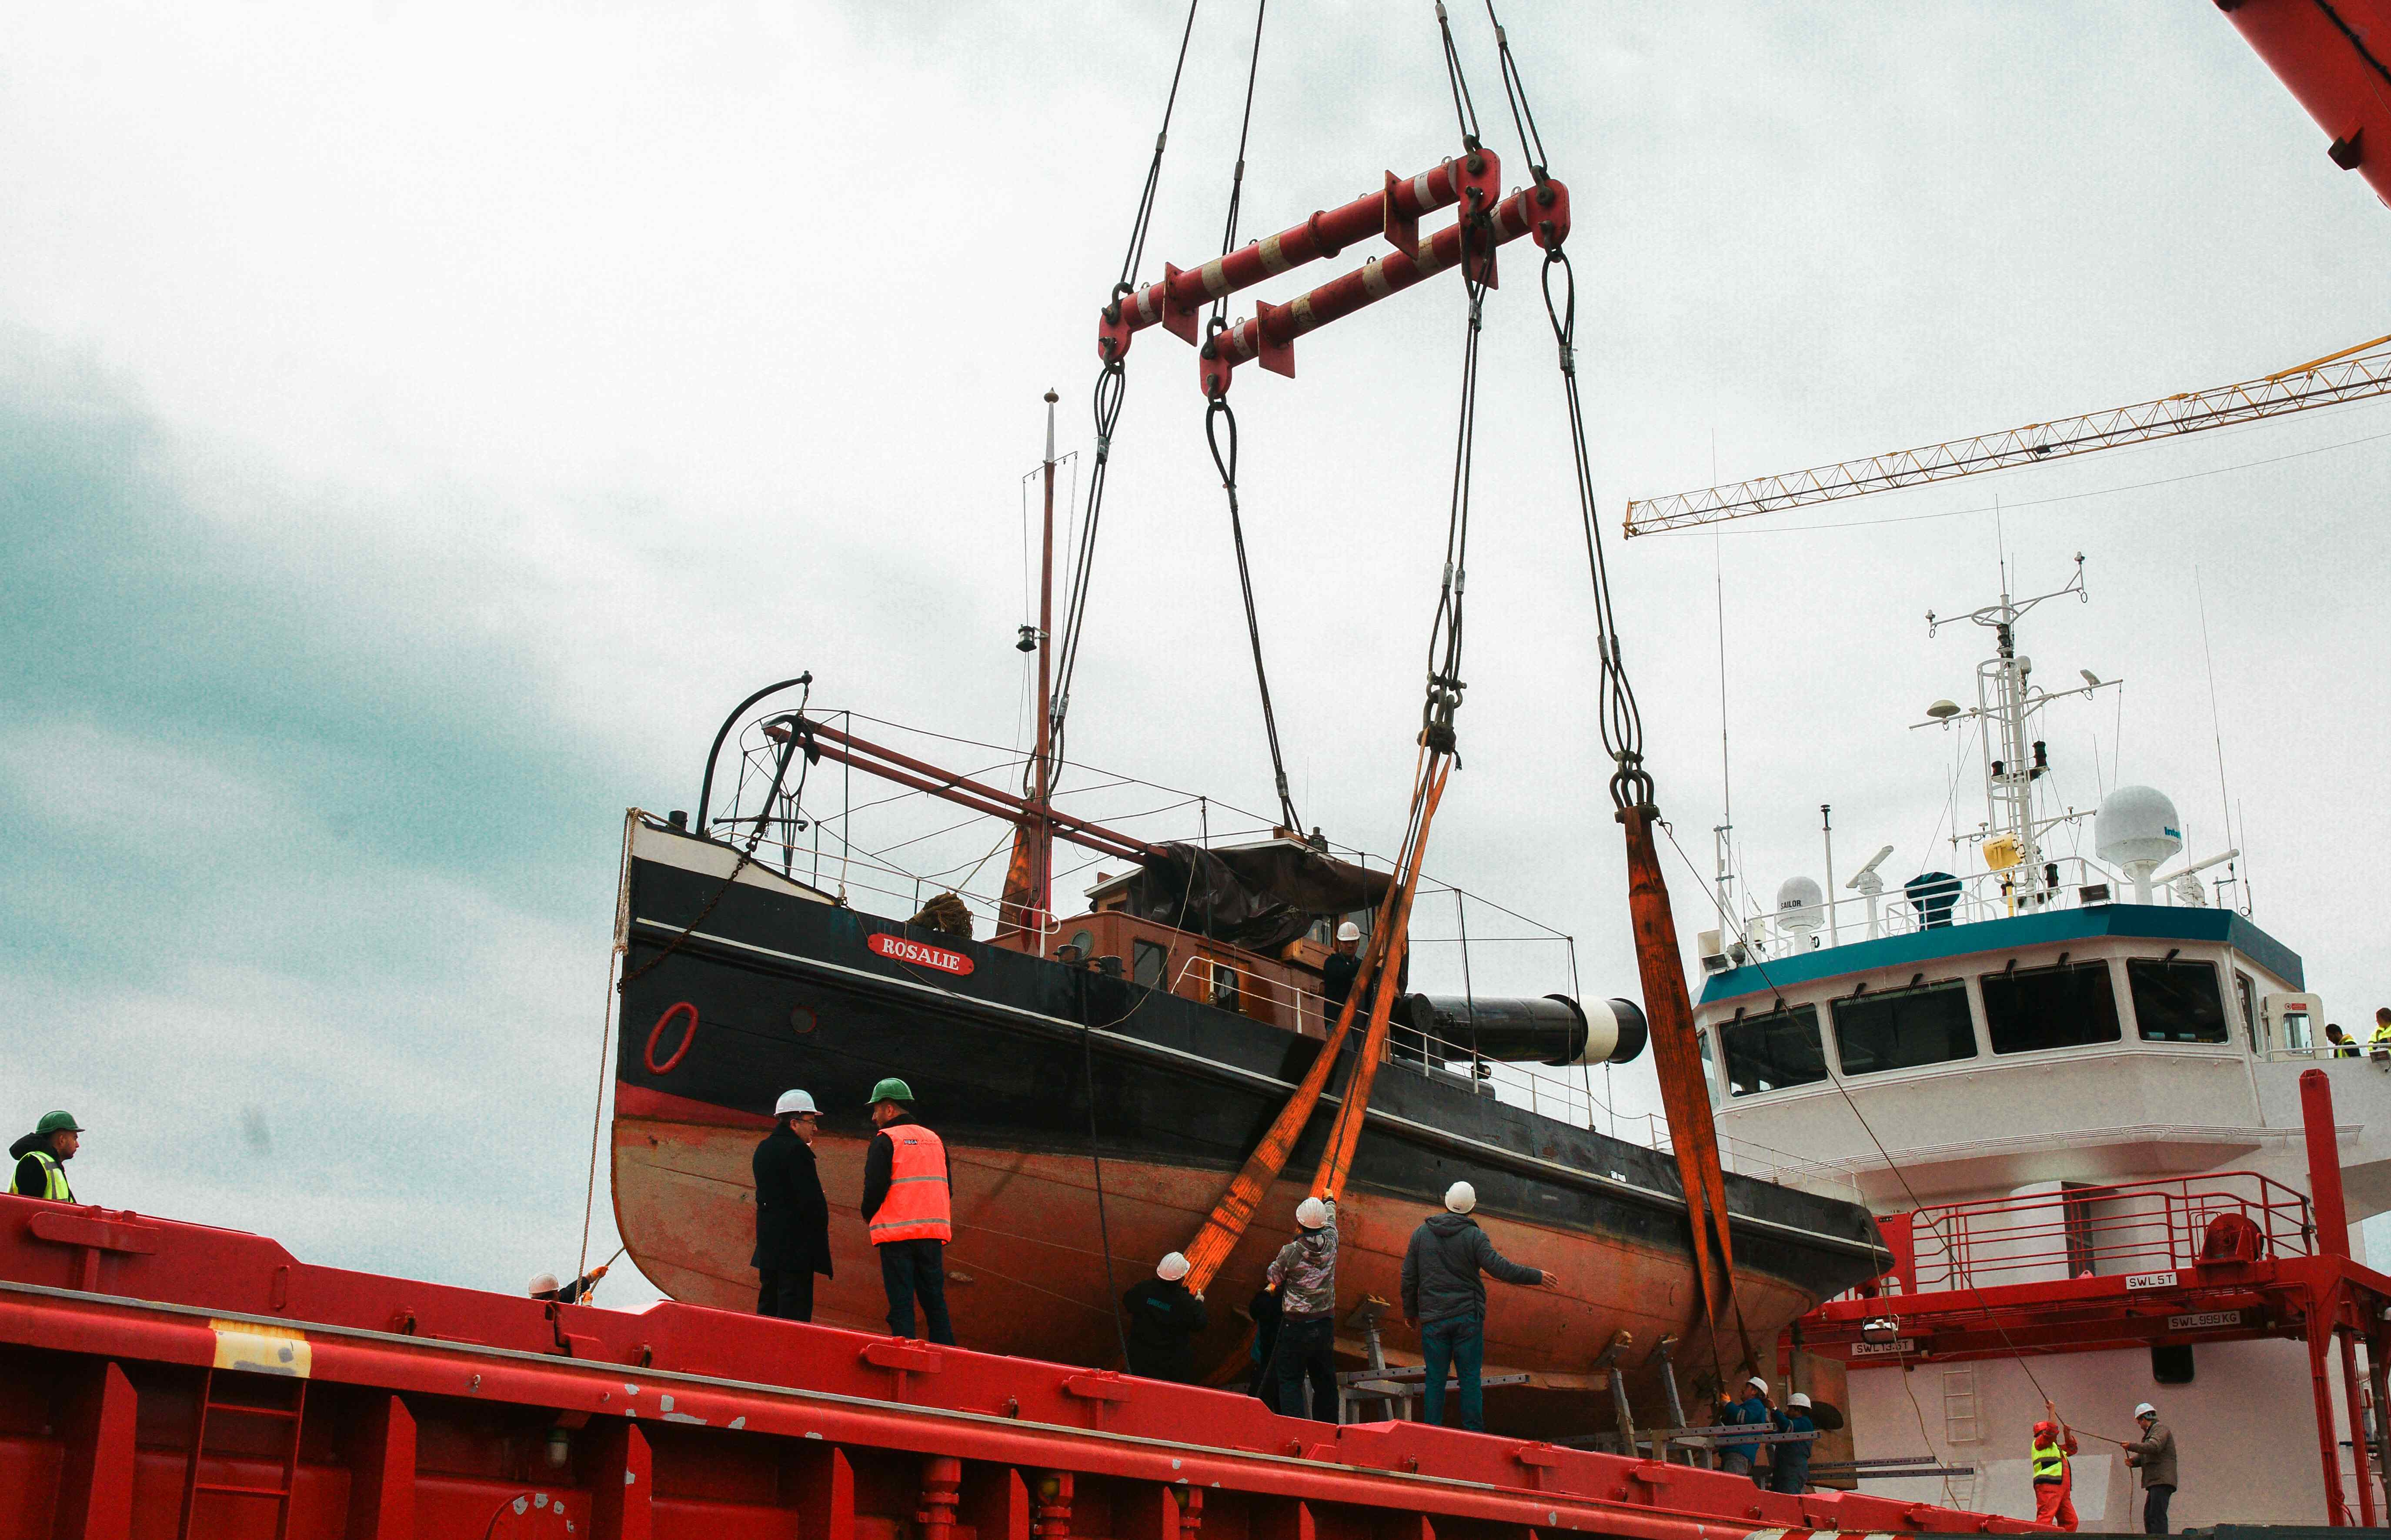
<point x="2064" y="1069"/>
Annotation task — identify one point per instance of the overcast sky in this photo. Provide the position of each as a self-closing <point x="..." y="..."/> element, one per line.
<point x="418" y="423"/>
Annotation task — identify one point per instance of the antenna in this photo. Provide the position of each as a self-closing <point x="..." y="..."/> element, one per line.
<point x="1723" y="878"/>
<point x="1867" y="885"/>
<point x="1827" y="830"/>
<point x="2216" y="723"/>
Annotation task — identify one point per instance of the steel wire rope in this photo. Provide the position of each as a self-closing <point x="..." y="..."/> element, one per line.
<point x="1438" y="757"/>
<point x="1622" y="728"/>
<point x="1217" y="412"/>
<point x="1515" y="90"/>
<point x="1622" y="725"/>
<point x="1112" y="385"/>
<point x="1464" y="107"/>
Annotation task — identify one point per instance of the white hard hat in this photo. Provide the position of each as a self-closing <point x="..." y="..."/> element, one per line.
<point x="794" y="1101"/>
<point x="1172" y="1268"/>
<point x="1798" y="1398"/>
<point x="1758" y="1384"/>
<point x="1348" y="931"/>
<point x="541" y="1283"/>
<point x="1461" y="1197"/>
<point x="2145" y="1410"/>
<point x="1311" y="1213"/>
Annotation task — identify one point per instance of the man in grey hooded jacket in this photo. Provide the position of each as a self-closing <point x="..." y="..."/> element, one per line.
<point x="1444" y="1295"/>
<point x="1304" y="1273"/>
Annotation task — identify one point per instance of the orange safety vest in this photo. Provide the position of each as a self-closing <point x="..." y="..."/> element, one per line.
<point x="920" y="1204"/>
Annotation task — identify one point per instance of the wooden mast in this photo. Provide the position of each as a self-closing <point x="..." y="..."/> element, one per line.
<point x="1027" y="908"/>
<point x="1040" y="832"/>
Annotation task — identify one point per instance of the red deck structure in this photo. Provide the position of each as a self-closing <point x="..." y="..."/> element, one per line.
<point x="2226" y="1256"/>
<point x="162" y="1380"/>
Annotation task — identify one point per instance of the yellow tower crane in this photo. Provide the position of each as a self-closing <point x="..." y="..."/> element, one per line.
<point x="2351" y="374"/>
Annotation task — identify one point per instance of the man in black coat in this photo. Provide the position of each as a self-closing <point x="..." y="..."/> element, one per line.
<point x="792" y="1214"/>
<point x="1164" y="1319"/>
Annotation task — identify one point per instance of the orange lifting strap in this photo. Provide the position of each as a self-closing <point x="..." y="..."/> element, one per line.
<point x="1685" y="1093"/>
<point x="1383" y="959"/>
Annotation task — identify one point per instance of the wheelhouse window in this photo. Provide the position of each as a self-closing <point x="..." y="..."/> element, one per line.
<point x="1904" y="1029"/>
<point x="1148" y="961"/>
<point x="1771" y="1052"/>
<point x="2177" y="1002"/>
<point x="2245" y="993"/>
<point x="2030" y="1009"/>
<point x="1225" y="994"/>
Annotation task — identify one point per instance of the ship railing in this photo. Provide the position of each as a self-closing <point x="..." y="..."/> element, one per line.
<point x="1978" y="897"/>
<point x="1765" y="1162"/>
<point x="2075" y="1231"/>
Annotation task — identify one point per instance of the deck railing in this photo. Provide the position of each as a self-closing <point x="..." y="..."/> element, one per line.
<point x="2123" y="1228"/>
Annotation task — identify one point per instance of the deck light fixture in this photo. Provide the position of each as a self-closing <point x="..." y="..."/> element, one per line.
<point x="1880" y="1329"/>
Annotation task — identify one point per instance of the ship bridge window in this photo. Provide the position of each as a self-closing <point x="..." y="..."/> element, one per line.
<point x="1771" y="1052"/>
<point x="2068" y="1007"/>
<point x="2177" y="1002"/>
<point x="1149" y="962"/>
<point x="1904" y="1029"/>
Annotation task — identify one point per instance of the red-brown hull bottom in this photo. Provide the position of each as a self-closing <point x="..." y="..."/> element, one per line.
<point x="1022" y="1279"/>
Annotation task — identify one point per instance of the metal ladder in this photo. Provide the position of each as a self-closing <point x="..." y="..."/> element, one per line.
<point x="291" y="1415"/>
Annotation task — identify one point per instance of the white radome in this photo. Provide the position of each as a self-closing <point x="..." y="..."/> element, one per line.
<point x="2137" y="824"/>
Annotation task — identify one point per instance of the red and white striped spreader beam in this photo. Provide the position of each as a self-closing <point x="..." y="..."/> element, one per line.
<point x="1269" y="334"/>
<point x="1394" y="211"/>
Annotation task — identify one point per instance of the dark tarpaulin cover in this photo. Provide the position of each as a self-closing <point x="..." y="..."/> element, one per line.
<point x="1257" y="896"/>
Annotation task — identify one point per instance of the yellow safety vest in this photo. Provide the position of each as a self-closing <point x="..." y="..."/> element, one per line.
<point x="2382" y="1035"/>
<point x="2050" y="1464"/>
<point x="53" y="1179"/>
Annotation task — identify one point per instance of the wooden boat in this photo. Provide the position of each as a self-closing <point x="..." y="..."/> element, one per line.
<point x="1095" y="1105"/>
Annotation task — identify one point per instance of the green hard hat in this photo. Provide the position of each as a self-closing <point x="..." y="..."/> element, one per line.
<point x="58" y="1122"/>
<point x="890" y="1089"/>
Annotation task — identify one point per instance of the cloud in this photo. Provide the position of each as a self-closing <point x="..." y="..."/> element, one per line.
<point x="310" y="882"/>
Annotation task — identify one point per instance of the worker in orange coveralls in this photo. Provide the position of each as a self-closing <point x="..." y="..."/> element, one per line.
<point x="2054" y="1471"/>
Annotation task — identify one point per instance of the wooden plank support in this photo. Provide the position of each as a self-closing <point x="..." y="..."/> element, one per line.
<point x="96" y="1477"/>
<point x="382" y="1473"/>
<point x="623" y="1487"/>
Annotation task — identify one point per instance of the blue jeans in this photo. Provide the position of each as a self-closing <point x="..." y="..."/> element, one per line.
<point x="1458" y="1344"/>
